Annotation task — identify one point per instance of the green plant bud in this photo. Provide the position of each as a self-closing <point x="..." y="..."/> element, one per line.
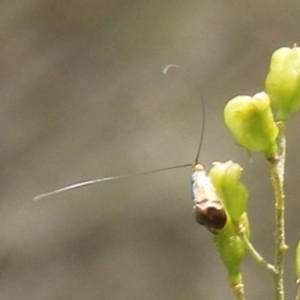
<point x="231" y="249"/>
<point x="226" y="180"/>
<point x="250" y="121"/>
<point x="283" y="82"/>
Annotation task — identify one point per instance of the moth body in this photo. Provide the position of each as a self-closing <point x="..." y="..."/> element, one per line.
<point x="208" y="208"/>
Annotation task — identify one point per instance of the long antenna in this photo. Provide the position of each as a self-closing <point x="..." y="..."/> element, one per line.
<point x="93" y="181"/>
<point x="165" y="70"/>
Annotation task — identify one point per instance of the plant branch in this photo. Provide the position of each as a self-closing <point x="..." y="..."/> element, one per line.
<point x="277" y="177"/>
<point x="298" y="286"/>
<point x="237" y="286"/>
<point x="255" y="255"/>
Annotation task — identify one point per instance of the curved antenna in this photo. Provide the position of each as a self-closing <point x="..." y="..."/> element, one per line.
<point x="77" y="185"/>
<point x="93" y="181"/>
<point x="165" y="70"/>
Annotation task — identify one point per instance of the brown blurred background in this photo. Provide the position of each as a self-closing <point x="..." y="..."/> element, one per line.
<point x="83" y="96"/>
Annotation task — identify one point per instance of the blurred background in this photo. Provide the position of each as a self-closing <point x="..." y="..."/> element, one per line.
<point x="83" y="96"/>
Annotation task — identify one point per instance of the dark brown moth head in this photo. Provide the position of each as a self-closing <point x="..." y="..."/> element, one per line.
<point x="211" y="214"/>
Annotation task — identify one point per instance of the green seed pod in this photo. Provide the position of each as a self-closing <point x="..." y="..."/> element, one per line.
<point x="283" y="82"/>
<point x="231" y="250"/>
<point x="226" y="180"/>
<point x="250" y="121"/>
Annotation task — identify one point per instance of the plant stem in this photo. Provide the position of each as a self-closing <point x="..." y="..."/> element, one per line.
<point x="255" y="255"/>
<point x="238" y="291"/>
<point x="297" y="260"/>
<point x="298" y="294"/>
<point x="277" y="178"/>
<point x="237" y="286"/>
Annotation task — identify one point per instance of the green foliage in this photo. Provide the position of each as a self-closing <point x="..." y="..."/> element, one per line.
<point x="258" y="123"/>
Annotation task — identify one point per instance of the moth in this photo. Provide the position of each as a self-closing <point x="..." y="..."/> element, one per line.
<point x="207" y="206"/>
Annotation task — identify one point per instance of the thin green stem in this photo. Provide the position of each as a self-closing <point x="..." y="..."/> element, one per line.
<point x="277" y="178"/>
<point x="237" y="286"/>
<point x="298" y="294"/>
<point x="297" y="261"/>
<point x="255" y="255"/>
<point x="238" y="292"/>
